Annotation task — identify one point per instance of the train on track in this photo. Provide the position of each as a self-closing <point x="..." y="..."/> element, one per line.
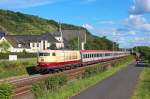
<point x="49" y="60"/>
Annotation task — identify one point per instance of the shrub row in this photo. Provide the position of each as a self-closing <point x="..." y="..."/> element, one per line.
<point x="12" y="64"/>
<point x="90" y="71"/>
<point x="15" y="68"/>
<point x="97" y="68"/>
<point x="6" y="91"/>
<point x="52" y="83"/>
<point x="19" y="55"/>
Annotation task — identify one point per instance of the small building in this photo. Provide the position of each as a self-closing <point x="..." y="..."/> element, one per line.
<point x="67" y="36"/>
<point x="30" y="43"/>
<point x="34" y="43"/>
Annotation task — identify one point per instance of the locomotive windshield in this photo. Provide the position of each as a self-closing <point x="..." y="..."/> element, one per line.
<point x="44" y="54"/>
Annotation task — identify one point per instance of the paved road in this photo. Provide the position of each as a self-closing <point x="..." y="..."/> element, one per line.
<point x="118" y="86"/>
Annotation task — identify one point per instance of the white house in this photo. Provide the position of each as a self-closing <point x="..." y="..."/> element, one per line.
<point x="34" y="43"/>
<point x="30" y="43"/>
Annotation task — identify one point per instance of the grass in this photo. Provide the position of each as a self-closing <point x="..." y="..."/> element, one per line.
<point x="76" y="86"/>
<point x="15" y="68"/>
<point x="142" y="90"/>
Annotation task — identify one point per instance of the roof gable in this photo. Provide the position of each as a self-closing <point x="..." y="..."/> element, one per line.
<point x="27" y="39"/>
<point x="2" y="34"/>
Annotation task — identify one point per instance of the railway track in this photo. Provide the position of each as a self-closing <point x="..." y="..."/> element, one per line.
<point x="23" y="84"/>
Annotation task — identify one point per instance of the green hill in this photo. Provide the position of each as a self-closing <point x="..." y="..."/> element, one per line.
<point x="16" y="23"/>
<point x="19" y="23"/>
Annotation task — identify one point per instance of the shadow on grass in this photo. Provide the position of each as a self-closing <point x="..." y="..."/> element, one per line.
<point x="143" y="65"/>
<point x="32" y="70"/>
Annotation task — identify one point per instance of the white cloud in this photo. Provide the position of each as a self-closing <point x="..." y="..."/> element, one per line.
<point x="106" y="22"/>
<point x="139" y="39"/>
<point x="105" y="30"/>
<point x="132" y="32"/>
<point x="9" y="4"/>
<point x="137" y="22"/>
<point x="88" y="26"/>
<point x="140" y="7"/>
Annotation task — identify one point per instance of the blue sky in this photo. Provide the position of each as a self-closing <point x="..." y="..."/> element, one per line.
<point x="124" y="21"/>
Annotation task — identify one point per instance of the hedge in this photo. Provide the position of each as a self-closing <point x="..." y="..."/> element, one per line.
<point x="51" y="83"/>
<point x="6" y="91"/>
<point x="19" y="55"/>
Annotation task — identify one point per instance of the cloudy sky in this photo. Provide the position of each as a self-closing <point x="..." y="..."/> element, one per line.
<point x="124" y="21"/>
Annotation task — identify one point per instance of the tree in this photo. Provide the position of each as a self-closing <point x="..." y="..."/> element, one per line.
<point x="144" y="52"/>
<point x="4" y="46"/>
<point x="53" y="46"/>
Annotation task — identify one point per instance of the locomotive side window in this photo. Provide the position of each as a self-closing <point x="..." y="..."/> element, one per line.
<point x="53" y="54"/>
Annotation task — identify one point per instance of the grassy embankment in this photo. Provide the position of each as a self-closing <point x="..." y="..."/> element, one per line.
<point x="76" y="86"/>
<point x="16" y="68"/>
<point x="142" y="90"/>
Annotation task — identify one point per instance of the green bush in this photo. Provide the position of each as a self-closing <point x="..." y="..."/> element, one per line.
<point x="6" y="91"/>
<point x="38" y="88"/>
<point x="15" y="68"/>
<point x="90" y="71"/>
<point x="52" y="83"/>
<point x="19" y="55"/>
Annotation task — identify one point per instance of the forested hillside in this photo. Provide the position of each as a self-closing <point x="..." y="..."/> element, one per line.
<point x="17" y="23"/>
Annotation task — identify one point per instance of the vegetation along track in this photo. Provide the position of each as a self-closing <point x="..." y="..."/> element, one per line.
<point x="23" y="84"/>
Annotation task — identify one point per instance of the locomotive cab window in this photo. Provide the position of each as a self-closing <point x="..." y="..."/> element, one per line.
<point x="44" y="54"/>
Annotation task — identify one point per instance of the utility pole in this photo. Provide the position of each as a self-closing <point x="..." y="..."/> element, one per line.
<point x="61" y="34"/>
<point x="78" y="41"/>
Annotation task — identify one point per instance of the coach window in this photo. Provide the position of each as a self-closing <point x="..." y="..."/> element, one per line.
<point x="101" y="55"/>
<point x="84" y="56"/>
<point x="53" y="54"/>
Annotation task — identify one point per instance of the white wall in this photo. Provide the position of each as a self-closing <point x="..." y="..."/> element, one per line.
<point x="32" y="48"/>
<point x="2" y="39"/>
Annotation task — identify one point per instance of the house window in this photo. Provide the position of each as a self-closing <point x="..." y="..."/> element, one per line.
<point x="37" y="44"/>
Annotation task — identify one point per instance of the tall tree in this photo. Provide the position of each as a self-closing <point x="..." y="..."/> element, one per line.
<point x="4" y="46"/>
